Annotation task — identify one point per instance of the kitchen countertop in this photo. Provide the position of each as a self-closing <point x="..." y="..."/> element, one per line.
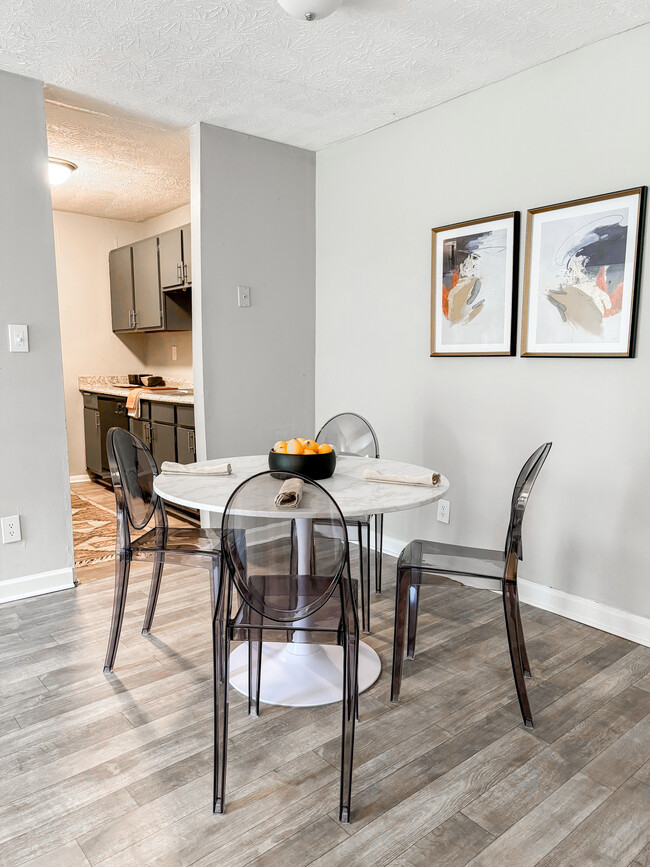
<point x="117" y="386"/>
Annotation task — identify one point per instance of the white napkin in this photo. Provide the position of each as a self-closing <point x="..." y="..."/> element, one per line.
<point x="194" y="470"/>
<point x="290" y="494"/>
<point x="429" y="481"/>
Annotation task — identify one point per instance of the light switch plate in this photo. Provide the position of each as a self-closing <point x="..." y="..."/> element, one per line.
<point x="18" y="338"/>
<point x="244" y="296"/>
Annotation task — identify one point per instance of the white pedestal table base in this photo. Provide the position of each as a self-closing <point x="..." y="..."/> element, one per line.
<point x="302" y="679"/>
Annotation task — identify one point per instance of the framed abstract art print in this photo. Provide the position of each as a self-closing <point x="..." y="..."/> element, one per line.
<point x="583" y="270"/>
<point x="474" y="287"/>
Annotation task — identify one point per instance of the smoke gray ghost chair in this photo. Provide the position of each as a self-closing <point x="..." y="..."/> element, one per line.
<point x="423" y="562"/>
<point x="133" y="470"/>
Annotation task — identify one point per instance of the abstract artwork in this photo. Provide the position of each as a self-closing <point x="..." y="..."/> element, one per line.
<point x="474" y="287"/>
<point x="583" y="266"/>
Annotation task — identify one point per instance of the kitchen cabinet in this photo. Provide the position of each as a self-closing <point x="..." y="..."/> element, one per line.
<point x="140" y="301"/>
<point x="146" y="286"/>
<point x="175" y="258"/>
<point x="101" y="413"/>
<point x="185" y="445"/>
<point x="163" y="442"/>
<point x="93" y="439"/>
<point x="120" y="264"/>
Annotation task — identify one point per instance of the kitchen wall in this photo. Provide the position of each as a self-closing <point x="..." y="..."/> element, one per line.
<point x="34" y="477"/>
<point x="89" y="345"/>
<point x="576" y="126"/>
<point x="252" y="225"/>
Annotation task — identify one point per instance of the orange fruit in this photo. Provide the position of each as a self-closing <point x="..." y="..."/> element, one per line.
<point x="301" y="440"/>
<point x="280" y="445"/>
<point x="294" y="447"/>
<point x="281" y="451"/>
<point x="324" y="449"/>
<point x="309" y="452"/>
<point x="310" y="444"/>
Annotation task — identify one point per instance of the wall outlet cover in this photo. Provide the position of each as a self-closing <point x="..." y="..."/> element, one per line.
<point x="18" y="338"/>
<point x="444" y="507"/>
<point x="11" y="529"/>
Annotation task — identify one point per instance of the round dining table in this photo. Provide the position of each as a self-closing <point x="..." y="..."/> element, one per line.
<point x="302" y="674"/>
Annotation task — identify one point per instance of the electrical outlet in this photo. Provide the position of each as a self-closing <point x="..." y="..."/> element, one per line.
<point x="444" y="507"/>
<point x="174" y="353"/>
<point x="244" y="296"/>
<point x="11" y="529"/>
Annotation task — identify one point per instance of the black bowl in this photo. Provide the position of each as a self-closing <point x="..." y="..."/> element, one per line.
<point x="313" y="466"/>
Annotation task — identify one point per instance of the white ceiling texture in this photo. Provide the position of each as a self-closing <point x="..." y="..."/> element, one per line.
<point x="247" y="65"/>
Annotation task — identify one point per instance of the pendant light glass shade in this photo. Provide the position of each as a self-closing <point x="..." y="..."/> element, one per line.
<point x="310" y="10"/>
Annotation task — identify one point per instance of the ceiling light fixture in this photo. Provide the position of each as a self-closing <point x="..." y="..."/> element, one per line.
<point x="59" y="170"/>
<point x="310" y="10"/>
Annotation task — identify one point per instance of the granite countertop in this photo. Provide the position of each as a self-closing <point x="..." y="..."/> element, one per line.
<point x="117" y="386"/>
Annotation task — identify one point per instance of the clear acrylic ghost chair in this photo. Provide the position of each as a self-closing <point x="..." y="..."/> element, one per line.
<point x="133" y="470"/>
<point x="424" y="562"/>
<point x="263" y="597"/>
<point x="351" y="434"/>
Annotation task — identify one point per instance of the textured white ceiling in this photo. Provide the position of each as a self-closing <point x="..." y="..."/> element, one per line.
<point x="128" y="170"/>
<point x="247" y="65"/>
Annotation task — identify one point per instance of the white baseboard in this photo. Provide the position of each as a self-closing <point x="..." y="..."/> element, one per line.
<point x="587" y="611"/>
<point x="83" y="478"/>
<point x="36" y="585"/>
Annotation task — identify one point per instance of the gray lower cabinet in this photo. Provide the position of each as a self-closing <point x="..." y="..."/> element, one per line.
<point x="101" y="413"/>
<point x="93" y="441"/>
<point x="163" y="442"/>
<point x="120" y="265"/>
<point x="146" y="285"/>
<point x="185" y="445"/>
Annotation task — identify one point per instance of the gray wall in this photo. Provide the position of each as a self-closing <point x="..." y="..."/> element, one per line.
<point x="253" y="225"/>
<point x="34" y="475"/>
<point x="576" y="126"/>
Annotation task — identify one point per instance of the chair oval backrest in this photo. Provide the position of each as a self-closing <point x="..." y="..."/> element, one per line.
<point x="350" y="434"/>
<point x="285" y="563"/>
<point x="523" y="486"/>
<point x="133" y="470"/>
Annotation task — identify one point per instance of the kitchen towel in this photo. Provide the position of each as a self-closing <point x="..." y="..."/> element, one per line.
<point x="290" y="494"/>
<point x="204" y="469"/>
<point x="133" y="399"/>
<point x="430" y="480"/>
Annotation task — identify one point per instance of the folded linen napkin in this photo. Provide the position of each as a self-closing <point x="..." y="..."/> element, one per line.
<point x="430" y="480"/>
<point x="290" y="494"/>
<point x="193" y="470"/>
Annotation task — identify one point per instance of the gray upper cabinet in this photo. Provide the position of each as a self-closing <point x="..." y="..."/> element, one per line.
<point x="146" y="285"/>
<point x="175" y="258"/>
<point x="120" y="263"/>
<point x="151" y="283"/>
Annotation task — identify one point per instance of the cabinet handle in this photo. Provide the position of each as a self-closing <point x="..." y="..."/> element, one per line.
<point x="148" y="435"/>
<point x="185" y="273"/>
<point x="178" y="271"/>
<point x="192" y="442"/>
<point x="135" y="318"/>
<point x="97" y="422"/>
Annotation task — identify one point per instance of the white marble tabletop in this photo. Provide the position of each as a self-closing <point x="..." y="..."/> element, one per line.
<point x="354" y="495"/>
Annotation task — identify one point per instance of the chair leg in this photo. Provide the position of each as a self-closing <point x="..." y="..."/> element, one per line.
<point x="361" y="576"/>
<point x="414" y="602"/>
<point x="350" y="709"/>
<point x="254" y="670"/>
<point x="401" y="611"/>
<point x="522" y="643"/>
<point x="220" y="650"/>
<point x="122" y="569"/>
<point x="379" y="550"/>
<point x="368" y="576"/>
<point x="510" y="610"/>
<point x="154" y="590"/>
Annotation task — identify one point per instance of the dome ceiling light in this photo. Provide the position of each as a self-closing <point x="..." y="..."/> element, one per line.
<point x="310" y="10"/>
<point x="59" y="170"/>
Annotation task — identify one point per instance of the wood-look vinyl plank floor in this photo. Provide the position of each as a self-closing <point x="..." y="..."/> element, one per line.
<point x="117" y="770"/>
